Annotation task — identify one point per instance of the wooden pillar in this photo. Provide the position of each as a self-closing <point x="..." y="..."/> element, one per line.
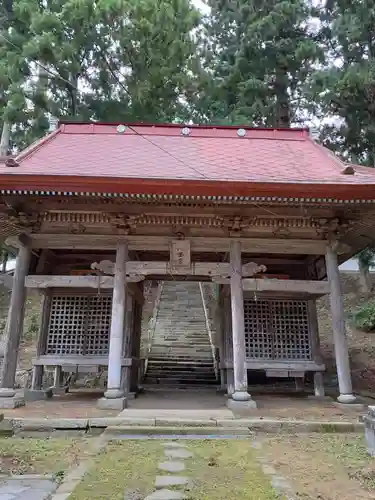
<point x="315" y="349"/>
<point x="128" y="343"/>
<point x="228" y="345"/>
<point x="15" y="320"/>
<point x="220" y="329"/>
<point x="238" y="325"/>
<point x="114" y="395"/>
<point x="37" y="380"/>
<point x="136" y="348"/>
<point x="338" y="327"/>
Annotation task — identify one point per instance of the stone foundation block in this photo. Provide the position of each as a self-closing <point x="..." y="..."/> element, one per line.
<point x="112" y="404"/>
<point x="369" y="421"/>
<point x="11" y="403"/>
<point x="37" y="395"/>
<point x="241" y="406"/>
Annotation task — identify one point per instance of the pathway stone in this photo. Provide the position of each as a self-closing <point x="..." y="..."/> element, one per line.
<point x="166" y="494"/>
<point x="172" y="466"/>
<point x="26" y="489"/>
<point x="177" y="453"/>
<point x="173" y="444"/>
<point x="166" y="481"/>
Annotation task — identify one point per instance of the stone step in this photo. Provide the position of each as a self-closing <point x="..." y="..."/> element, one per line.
<point x="180" y="364"/>
<point x="179" y="381"/>
<point x="186" y="374"/>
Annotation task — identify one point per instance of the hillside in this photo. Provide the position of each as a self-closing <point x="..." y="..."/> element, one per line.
<point x="362" y="346"/>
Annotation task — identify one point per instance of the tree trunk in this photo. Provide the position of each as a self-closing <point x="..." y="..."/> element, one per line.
<point x="364" y="278"/>
<point x="5" y="139"/>
<point x="282" y="99"/>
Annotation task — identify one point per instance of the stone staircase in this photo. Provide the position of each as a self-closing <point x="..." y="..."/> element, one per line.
<point x="181" y="353"/>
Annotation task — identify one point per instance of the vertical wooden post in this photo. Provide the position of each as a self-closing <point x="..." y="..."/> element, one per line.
<point x="16" y="317"/>
<point x="113" y="397"/>
<point x="128" y="342"/>
<point x="338" y="327"/>
<point x="238" y="326"/>
<point x="37" y="379"/>
<point x="136" y="348"/>
<point x="228" y="344"/>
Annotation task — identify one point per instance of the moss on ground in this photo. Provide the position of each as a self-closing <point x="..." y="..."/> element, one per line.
<point x="329" y="466"/>
<point x="40" y="456"/>
<point x="220" y="469"/>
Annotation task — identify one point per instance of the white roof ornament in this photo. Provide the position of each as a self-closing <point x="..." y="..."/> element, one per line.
<point x="121" y="129"/>
<point x="186" y="131"/>
<point x="241" y="132"/>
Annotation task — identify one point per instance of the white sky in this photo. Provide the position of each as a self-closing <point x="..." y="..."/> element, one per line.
<point x="200" y="5"/>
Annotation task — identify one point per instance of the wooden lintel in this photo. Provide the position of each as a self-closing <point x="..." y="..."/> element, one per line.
<point x="162" y="243"/>
<point x="307" y="287"/>
<point x="264" y="364"/>
<point x="40" y="281"/>
<point x="66" y="359"/>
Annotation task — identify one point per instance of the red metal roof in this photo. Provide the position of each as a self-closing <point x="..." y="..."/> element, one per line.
<point x="160" y="152"/>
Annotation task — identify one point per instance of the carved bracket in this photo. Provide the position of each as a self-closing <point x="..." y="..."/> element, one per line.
<point x="332" y="228"/>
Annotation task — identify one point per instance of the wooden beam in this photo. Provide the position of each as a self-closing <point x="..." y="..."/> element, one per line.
<point x="162" y="243"/>
<point x="40" y="281"/>
<point x="308" y="287"/>
<point x="66" y="359"/>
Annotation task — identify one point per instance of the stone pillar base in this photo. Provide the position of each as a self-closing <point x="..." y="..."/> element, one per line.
<point x="112" y="404"/>
<point x="369" y="421"/>
<point x="12" y="402"/>
<point x="347" y="399"/>
<point x="241" y="406"/>
<point x="37" y="395"/>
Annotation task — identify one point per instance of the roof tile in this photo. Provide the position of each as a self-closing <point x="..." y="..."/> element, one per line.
<point x="208" y="153"/>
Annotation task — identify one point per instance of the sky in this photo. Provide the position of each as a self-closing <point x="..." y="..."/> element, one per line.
<point x="200" y="5"/>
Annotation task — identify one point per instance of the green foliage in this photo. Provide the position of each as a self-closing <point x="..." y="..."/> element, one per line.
<point x="118" y="60"/>
<point x="344" y="88"/>
<point x="364" y="317"/>
<point x="258" y="55"/>
<point x="366" y="258"/>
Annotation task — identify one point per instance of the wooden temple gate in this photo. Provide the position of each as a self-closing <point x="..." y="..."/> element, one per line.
<point x="271" y="256"/>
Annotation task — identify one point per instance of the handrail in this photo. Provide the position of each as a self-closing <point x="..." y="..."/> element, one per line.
<point x="209" y="330"/>
<point x="152" y="322"/>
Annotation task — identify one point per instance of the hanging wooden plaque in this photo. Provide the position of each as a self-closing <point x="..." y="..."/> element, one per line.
<point x="180" y="254"/>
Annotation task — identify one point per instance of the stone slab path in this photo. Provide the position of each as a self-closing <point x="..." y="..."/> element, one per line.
<point x="26" y="488"/>
<point x="174" y="453"/>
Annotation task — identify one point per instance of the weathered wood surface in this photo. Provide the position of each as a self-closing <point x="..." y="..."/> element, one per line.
<point x="162" y="243"/>
<point x="68" y="360"/>
<point x="16" y="316"/>
<point x="289" y="286"/>
<point x="264" y="364"/>
<point x="238" y="324"/>
<point x="338" y="326"/>
<point x="118" y="323"/>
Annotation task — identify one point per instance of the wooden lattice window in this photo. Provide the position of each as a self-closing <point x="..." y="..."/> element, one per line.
<point x="79" y="324"/>
<point x="277" y="329"/>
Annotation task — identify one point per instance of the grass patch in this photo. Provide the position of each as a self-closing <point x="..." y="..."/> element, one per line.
<point x="329" y="466"/>
<point x="351" y="452"/>
<point x="220" y="469"/>
<point x="40" y="456"/>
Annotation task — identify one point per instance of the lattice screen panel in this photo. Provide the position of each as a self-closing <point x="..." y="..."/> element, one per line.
<point x="79" y="324"/>
<point x="277" y="329"/>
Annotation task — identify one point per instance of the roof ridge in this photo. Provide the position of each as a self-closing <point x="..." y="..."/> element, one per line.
<point x="328" y="152"/>
<point x="34" y="146"/>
